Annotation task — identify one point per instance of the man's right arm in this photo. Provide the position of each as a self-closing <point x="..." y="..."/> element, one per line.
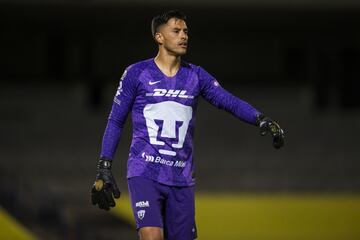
<point x="105" y="188"/>
<point x="123" y="101"/>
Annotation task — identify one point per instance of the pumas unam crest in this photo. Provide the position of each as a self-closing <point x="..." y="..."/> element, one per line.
<point x="141" y="214"/>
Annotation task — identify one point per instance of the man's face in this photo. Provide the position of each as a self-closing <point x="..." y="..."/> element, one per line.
<point x="173" y="36"/>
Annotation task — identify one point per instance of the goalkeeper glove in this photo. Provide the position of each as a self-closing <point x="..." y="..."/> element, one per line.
<point x="104" y="188"/>
<point x="267" y="125"/>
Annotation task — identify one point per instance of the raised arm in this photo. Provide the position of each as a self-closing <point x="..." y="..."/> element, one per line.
<point x="219" y="97"/>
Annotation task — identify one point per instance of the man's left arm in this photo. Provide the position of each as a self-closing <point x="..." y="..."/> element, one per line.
<point x="219" y="97"/>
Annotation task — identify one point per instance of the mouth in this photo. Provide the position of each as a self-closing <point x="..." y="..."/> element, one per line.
<point x="183" y="44"/>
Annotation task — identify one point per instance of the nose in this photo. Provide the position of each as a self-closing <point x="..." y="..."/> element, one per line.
<point x="184" y="35"/>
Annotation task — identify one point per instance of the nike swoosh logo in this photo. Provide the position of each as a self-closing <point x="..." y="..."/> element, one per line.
<point x="152" y="83"/>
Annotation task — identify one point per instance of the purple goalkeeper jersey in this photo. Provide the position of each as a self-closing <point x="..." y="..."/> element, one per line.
<point x="163" y="119"/>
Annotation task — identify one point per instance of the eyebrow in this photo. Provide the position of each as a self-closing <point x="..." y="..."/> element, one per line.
<point x="176" y="28"/>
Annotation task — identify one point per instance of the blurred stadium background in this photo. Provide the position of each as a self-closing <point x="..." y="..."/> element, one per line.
<point x="296" y="61"/>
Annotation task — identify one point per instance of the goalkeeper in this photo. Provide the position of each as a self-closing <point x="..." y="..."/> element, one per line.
<point x="162" y="95"/>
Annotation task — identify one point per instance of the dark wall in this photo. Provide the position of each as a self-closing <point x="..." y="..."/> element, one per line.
<point x="239" y="45"/>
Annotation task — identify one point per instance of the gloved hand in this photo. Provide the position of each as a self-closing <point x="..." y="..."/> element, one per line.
<point x="104" y="188"/>
<point x="267" y="125"/>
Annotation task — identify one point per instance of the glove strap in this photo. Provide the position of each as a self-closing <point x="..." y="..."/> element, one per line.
<point x="104" y="164"/>
<point x="259" y="119"/>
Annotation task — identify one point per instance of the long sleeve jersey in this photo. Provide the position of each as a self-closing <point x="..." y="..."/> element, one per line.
<point x="163" y="119"/>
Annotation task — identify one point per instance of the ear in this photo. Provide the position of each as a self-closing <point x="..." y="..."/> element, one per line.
<point x="159" y="38"/>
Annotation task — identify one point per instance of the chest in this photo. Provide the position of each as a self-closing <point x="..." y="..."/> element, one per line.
<point x="184" y="88"/>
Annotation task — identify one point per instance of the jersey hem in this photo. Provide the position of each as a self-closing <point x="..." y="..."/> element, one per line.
<point x="168" y="183"/>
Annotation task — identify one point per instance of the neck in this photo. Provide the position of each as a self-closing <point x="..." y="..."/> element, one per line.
<point x="169" y="64"/>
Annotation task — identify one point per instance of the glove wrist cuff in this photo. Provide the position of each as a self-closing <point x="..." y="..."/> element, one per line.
<point x="104" y="164"/>
<point x="259" y="119"/>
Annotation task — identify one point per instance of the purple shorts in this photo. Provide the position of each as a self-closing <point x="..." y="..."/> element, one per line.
<point x="169" y="207"/>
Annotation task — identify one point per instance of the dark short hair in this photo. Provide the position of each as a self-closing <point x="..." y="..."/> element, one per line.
<point x="163" y="18"/>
